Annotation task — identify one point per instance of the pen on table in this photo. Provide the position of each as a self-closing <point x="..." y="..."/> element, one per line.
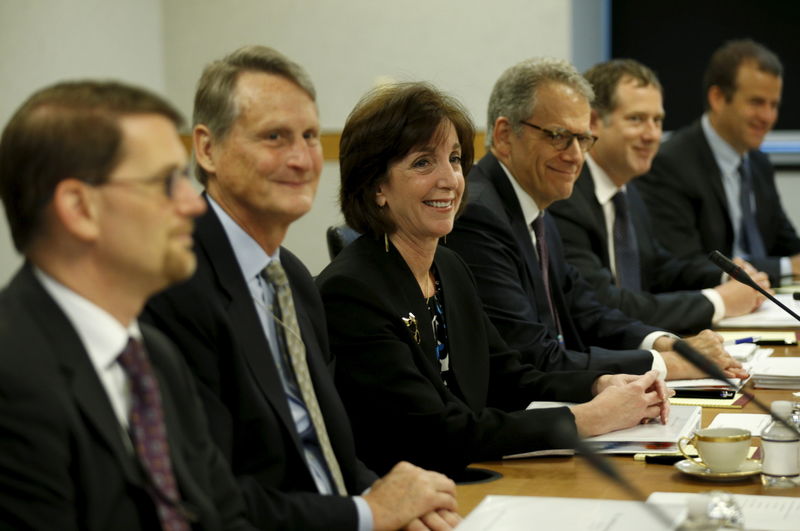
<point x="741" y="340"/>
<point x="658" y="459"/>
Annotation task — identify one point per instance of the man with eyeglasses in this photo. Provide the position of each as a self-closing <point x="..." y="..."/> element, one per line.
<point x="607" y="231"/>
<point x="538" y="133"/>
<point x="101" y="425"/>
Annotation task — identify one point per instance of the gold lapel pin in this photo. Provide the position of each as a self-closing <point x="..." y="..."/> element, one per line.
<point x="413" y="327"/>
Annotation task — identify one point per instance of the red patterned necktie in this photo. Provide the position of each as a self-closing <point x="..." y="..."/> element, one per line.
<point x="149" y="435"/>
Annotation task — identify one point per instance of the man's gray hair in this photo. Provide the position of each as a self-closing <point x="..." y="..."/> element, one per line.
<point x="214" y="103"/>
<point x="514" y="93"/>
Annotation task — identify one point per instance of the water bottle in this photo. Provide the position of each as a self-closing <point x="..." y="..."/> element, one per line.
<point x="780" y="466"/>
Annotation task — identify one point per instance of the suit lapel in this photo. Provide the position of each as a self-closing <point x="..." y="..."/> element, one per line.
<point x="78" y="372"/>
<point x="520" y="231"/>
<point x="213" y="242"/>
<point x="710" y="168"/>
<point x="585" y="189"/>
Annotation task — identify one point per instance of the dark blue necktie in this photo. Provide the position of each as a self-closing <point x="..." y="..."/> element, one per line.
<point x="544" y="261"/>
<point x="750" y="236"/>
<point x="626" y="251"/>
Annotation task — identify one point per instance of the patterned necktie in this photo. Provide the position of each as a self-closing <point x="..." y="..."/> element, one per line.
<point x="297" y="355"/>
<point x="149" y="435"/>
<point x="752" y="243"/>
<point x="626" y="251"/>
<point x="544" y="263"/>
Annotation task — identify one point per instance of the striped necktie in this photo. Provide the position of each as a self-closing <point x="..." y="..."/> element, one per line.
<point x="297" y="355"/>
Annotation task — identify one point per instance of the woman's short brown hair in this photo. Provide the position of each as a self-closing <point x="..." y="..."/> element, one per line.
<point x="385" y="125"/>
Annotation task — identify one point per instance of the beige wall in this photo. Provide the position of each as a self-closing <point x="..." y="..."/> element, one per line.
<point x="44" y="41"/>
<point x="460" y="45"/>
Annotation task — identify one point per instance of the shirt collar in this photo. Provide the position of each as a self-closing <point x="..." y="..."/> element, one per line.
<point x="604" y="187"/>
<point x="251" y="257"/>
<point x="727" y="158"/>
<point x="102" y="335"/>
<point x="530" y="210"/>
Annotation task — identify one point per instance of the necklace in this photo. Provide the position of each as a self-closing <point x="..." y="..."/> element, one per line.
<point x="430" y="288"/>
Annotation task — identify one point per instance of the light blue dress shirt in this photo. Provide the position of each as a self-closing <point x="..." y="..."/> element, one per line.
<point x="728" y="161"/>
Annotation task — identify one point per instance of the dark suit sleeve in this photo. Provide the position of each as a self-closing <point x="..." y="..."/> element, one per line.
<point x="664" y="300"/>
<point x="36" y="486"/>
<point x="674" y="204"/>
<point x="398" y="405"/>
<point x="199" y="331"/>
<point x="488" y="247"/>
<point x="779" y="234"/>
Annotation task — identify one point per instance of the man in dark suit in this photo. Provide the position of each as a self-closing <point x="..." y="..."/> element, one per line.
<point x="606" y="229"/>
<point x="259" y="348"/>
<point x="710" y="187"/>
<point x="538" y="131"/>
<point x="101" y="424"/>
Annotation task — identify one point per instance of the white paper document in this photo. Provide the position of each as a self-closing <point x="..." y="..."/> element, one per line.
<point x="777" y="373"/>
<point x="652" y="437"/>
<point x="768" y="513"/>
<point x="523" y="513"/>
<point x="769" y="315"/>
<point x="755" y="422"/>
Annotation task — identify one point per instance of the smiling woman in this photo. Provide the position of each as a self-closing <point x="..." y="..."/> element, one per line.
<point x="424" y="375"/>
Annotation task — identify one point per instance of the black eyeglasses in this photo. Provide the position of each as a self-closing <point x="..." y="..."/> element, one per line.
<point x="169" y="182"/>
<point x="562" y="139"/>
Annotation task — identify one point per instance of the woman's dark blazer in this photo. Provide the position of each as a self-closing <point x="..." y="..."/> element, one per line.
<point x="391" y="385"/>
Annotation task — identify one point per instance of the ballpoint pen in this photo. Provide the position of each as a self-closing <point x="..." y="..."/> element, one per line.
<point x="751" y="339"/>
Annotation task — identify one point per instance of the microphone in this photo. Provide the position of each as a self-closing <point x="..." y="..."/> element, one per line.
<point x="737" y="273"/>
<point x="563" y="435"/>
<point x="704" y="364"/>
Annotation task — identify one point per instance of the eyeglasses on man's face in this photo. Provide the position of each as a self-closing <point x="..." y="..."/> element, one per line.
<point x="561" y="139"/>
<point x="168" y="183"/>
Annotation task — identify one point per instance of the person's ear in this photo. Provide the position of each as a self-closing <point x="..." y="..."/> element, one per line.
<point x="501" y="137"/>
<point x="75" y="207"/>
<point x="716" y="98"/>
<point x="595" y="122"/>
<point x="380" y="197"/>
<point x="202" y="142"/>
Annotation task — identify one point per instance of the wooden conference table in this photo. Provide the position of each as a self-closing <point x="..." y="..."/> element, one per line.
<point x="572" y="477"/>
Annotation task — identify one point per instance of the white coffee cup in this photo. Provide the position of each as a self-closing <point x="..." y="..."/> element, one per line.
<point x="720" y="449"/>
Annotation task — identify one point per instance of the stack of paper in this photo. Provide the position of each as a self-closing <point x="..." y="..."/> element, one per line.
<point x="769" y="315"/>
<point x="777" y="373"/>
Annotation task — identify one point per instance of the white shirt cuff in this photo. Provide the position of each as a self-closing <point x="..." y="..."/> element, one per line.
<point x="647" y="342"/>
<point x="716" y="301"/>
<point x="364" y="514"/>
<point x="787" y="278"/>
<point x="659" y="364"/>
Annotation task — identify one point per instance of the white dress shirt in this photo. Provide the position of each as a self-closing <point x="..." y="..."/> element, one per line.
<point x="604" y="191"/>
<point x="104" y="339"/>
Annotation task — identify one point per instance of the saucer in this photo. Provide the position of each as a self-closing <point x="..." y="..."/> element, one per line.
<point x="750" y="467"/>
